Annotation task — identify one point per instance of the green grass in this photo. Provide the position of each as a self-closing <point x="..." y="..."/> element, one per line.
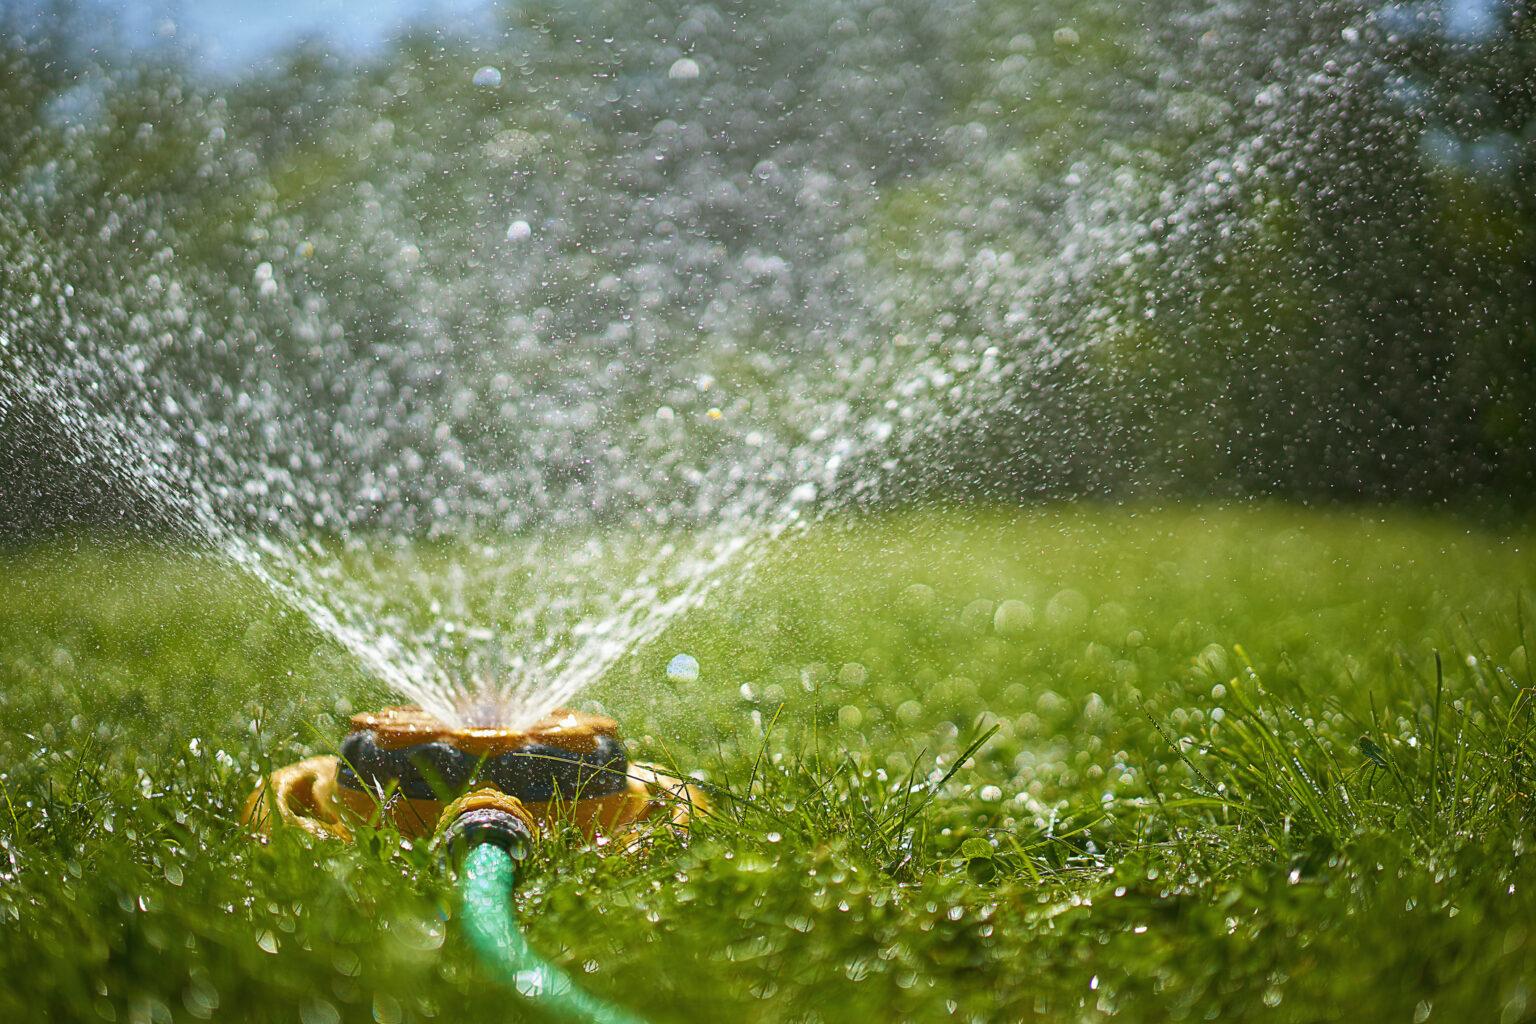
<point x="1227" y="781"/>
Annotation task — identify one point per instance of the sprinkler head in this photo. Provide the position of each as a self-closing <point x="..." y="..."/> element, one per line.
<point x="417" y="763"/>
<point x="406" y="767"/>
<point x="566" y="756"/>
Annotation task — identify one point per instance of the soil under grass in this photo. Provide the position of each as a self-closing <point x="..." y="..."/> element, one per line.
<point x="1253" y="763"/>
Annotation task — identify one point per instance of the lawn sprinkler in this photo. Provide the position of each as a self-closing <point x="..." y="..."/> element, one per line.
<point x="486" y="794"/>
<point x="407" y="767"/>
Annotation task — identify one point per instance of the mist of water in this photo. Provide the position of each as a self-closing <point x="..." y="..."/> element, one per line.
<point x="561" y="366"/>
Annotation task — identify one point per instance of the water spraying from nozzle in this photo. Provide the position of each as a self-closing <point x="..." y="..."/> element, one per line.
<point x="716" y="313"/>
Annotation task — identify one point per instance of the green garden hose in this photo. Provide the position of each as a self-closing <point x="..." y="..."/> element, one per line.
<point x="486" y="879"/>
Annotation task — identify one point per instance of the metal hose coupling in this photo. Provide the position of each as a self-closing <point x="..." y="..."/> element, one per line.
<point x="485" y="816"/>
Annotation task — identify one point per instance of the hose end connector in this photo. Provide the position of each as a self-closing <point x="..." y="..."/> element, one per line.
<point x="486" y="816"/>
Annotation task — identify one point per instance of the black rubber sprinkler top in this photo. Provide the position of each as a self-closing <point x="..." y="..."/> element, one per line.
<point x="567" y="756"/>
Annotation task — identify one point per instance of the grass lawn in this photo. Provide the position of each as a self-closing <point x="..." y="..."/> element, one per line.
<point x="1226" y="782"/>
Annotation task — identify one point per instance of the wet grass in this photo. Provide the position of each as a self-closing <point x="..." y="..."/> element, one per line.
<point x="1254" y="763"/>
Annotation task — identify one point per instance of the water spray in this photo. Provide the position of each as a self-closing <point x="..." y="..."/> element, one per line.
<point x="486" y="794"/>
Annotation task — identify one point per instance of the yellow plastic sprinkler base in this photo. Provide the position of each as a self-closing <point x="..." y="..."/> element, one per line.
<point x="330" y="798"/>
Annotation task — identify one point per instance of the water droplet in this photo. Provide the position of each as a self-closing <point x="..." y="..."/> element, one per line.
<point x="387" y="1009"/>
<point x="1013" y="618"/>
<point x="976" y="847"/>
<point x="1067" y="610"/>
<point x="683" y="668"/>
<point x="919" y="598"/>
<point x="519" y="231"/>
<point x="683" y="69"/>
<point x="487" y="78"/>
<point x="319" y="1011"/>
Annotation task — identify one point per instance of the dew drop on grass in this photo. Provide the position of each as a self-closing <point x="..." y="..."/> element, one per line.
<point x="319" y="1011"/>
<point x="201" y="997"/>
<point x="977" y="614"/>
<point x="919" y="598"/>
<point x="487" y="78"/>
<point x="1013" y="618"/>
<point x="684" y="69"/>
<point x="683" y="668"/>
<point x="976" y="847"/>
<point x="1067" y="610"/>
<point x="387" y="1009"/>
<point x="519" y="231"/>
